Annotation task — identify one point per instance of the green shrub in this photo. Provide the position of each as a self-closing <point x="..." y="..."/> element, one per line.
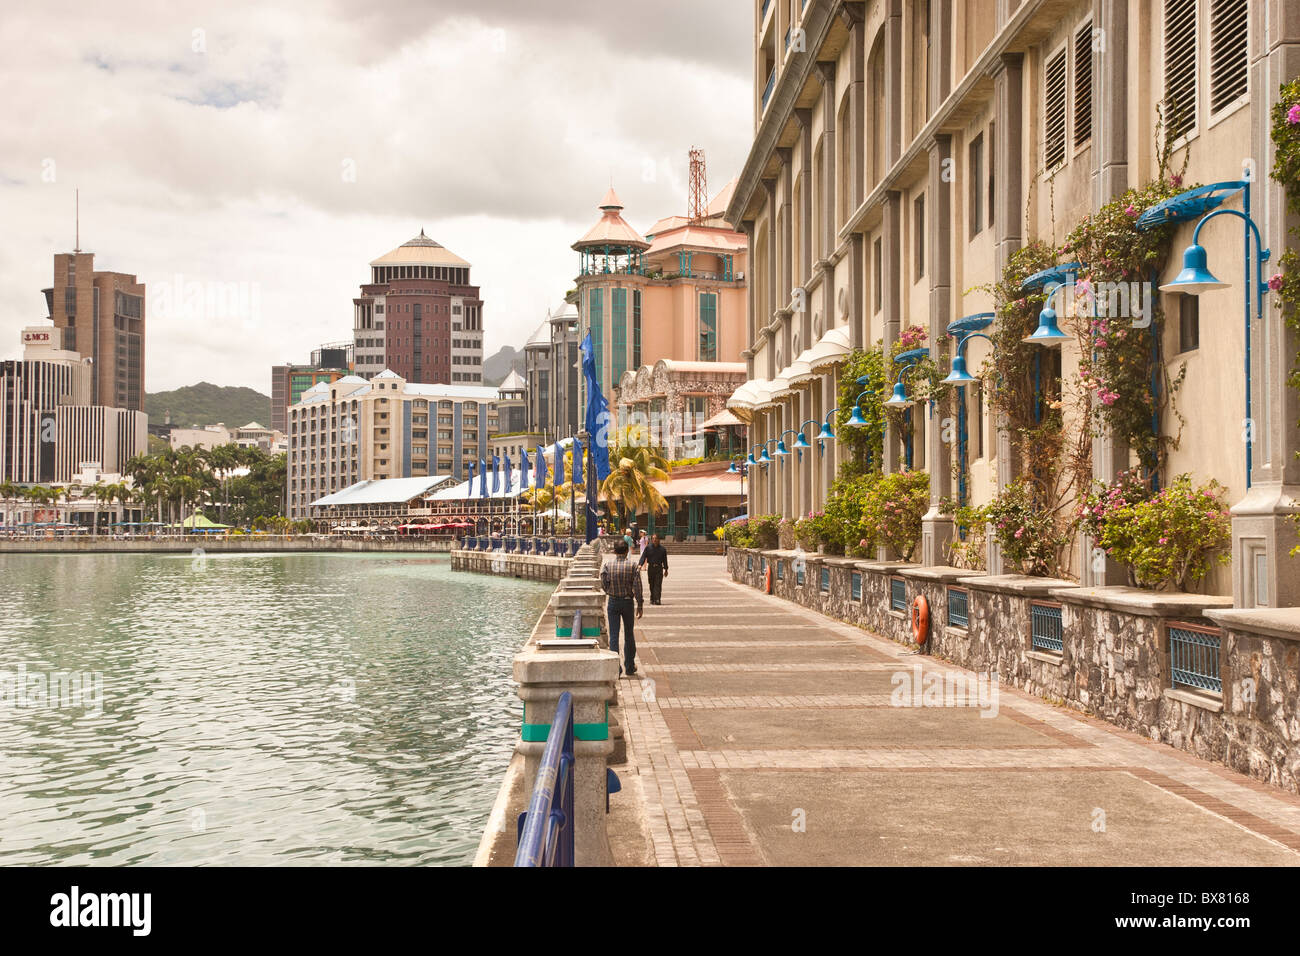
<point x="765" y="531"/>
<point x="1031" y="538"/>
<point x="894" y="508"/>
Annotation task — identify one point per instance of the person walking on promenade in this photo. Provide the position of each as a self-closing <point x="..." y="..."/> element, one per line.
<point x="655" y="557"/>
<point x="621" y="580"/>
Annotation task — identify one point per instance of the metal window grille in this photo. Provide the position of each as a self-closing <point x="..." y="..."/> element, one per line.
<point x="897" y="594"/>
<point x="749" y="562"/>
<point x="958" y="607"/>
<point x="798" y="577"/>
<point x="825" y="582"/>
<point x="856" y="584"/>
<point x="1045" y="627"/>
<point x="1194" y="657"/>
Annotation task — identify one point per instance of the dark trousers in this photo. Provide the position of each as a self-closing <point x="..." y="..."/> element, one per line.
<point x="622" y="612"/>
<point x="655" y="575"/>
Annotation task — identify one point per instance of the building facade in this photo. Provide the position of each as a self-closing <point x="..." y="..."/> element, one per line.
<point x="101" y="316"/>
<point x="903" y="154"/>
<point x="552" y="368"/>
<point x="673" y="399"/>
<point x="352" y="430"/>
<point x="289" y="382"/>
<point x="48" y="422"/>
<point x="420" y="317"/>
<point x="676" y="293"/>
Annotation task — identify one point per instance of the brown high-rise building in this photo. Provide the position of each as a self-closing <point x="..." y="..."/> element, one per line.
<point x="420" y="317"/>
<point x="102" y="315"/>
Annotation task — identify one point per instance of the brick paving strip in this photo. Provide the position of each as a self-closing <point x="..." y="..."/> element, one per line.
<point x="688" y="748"/>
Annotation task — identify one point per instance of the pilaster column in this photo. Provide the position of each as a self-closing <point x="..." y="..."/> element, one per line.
<point x="1263" y="572"/>
<point x="893" y="82"/>
<point x="1110" y="109"/>
<point x="751" y="293"/>
<point x="937" y="528"/>
<point x="1008" y="112"/>
<point x="891" y="305"/>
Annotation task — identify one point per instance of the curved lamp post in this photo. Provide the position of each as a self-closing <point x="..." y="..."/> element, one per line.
<point x="907" y="362"/>
<point x="963" y="330"/>
<point x="1196" y="277"/>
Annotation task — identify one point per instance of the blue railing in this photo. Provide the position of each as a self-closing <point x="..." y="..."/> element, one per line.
<point x="958" y="607"/>
<point x="1194" y="657"/>
<point x="897" y="594"/>
<point x="546" y="827"/>
<point x="1045" y="627"/>
<point x="855" y="585"/>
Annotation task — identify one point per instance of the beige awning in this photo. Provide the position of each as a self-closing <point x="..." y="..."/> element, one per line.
<point x="831" y="349"/>
<point x="722" y="420"/>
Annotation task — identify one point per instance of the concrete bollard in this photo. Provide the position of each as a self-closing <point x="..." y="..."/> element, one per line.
<point x="589" y="675"/>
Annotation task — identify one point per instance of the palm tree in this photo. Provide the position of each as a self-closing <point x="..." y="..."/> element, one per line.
<point x="100" y="492"/>
<point x="632" y="471"/>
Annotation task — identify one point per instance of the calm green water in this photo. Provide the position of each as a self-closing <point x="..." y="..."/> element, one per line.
<point x="322" y="709"/>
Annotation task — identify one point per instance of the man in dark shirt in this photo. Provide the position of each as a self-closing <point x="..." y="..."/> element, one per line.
<point x="621" y="580"/>
<point x="655" y="556"/>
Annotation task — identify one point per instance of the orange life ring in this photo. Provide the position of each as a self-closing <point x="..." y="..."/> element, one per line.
<point x="769" y="578"/>
<point x="920" y="619"/>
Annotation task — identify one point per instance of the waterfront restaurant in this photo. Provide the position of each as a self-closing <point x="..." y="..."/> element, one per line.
<point x="381" y="505"/>
<point x="501" y="511"/>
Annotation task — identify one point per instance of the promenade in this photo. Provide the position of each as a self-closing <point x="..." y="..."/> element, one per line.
<point x="761" y="733"/>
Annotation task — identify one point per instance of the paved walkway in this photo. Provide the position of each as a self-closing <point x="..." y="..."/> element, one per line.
<point x="763" y="733"/>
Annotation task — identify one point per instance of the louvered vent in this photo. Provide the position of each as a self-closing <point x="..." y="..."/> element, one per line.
<point x="1180" y="67"/>
<point x="1054" y="151"/>
<point x="1227" y="52"/>
<point x="1083" y="84"/>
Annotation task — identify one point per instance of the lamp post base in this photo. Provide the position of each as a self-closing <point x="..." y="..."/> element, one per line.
<point x="1264" y="572"/>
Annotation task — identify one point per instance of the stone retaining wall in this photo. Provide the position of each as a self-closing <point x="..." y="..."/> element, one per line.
<point x="1114" y="662"/>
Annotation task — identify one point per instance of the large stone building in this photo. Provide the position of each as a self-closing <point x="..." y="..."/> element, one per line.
<point x="551" y="365"/>
<point x="903" y="152"/>
<point x="352" y="430"/>
<point x="49" y="424"/>
<point x="101" y="316"/>
<point x="420" y="317"/>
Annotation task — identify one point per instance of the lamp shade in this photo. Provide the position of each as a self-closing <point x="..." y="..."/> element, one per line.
<point x="801" y="443"/>
<point x="765" y="458"/>
<point x="1195" y="277"/>
<point x="1048" y="332"/>
<point x="751" y="460"/>
<point x="959" y="375"/>
<point x="781" y="450"/>
<point x="825" y="434"/>
<point x="732" y="469"/>
<point x="899" y="399"/>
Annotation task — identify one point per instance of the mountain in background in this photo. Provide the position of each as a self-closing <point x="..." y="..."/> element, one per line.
<point x="497" y="367"/>
<point x="206" y="404"/>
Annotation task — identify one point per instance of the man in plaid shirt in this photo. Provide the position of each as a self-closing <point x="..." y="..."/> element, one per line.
<point x="621" y="580"/>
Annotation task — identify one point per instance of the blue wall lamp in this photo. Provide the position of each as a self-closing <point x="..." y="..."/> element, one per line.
<point x="907" y="361"/>
<point x="1048" y="332"/>
<point x="1196" y="277"/>
<point x="963" y="330"/>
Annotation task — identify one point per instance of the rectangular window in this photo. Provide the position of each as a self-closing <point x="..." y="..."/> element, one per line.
<point x="918" y="228"/>
<point x="958" y="614"/>
<point x="708" y="327"/>
<point x="855" y="585"/>
<point x="618" y="334"/>
<point x="636" y="328"/>
<point x="1194" y="657"/>
<point x="1054" y="111"/>
<point x="596" y="326"/>
<point x="976" y="185"/>
<point x="1189" y="322"/>
<point x="992" y="164"/>
<point x="1227" y="53"/>
<point x="1046" y="629"/>
<point x="824" y="581"/>
<point x="1180" y="68"/>
<point x="897" y="594"/>
<point x="1083" y="84"/>
<point x="878" y="275"/>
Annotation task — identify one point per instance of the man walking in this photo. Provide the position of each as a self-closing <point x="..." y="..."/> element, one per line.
<point x="621" y="580"/>
<point x="655" y="556"/>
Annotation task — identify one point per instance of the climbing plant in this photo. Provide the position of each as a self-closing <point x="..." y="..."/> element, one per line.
<point x="1285" y="283"/>
<point x="866" y="443"/>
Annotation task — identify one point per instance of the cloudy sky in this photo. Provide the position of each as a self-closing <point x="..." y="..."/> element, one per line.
<point x="248" y="160"/>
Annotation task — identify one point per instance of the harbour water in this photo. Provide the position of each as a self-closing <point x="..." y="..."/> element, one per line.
<point x="253" y="709"/>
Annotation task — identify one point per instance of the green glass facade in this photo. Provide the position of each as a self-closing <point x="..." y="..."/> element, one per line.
<point x="708" y="327"/>
<point x="596" y="325"/>
<point x="618" y="333"/>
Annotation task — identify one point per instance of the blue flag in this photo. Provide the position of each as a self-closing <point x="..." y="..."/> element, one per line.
<point x="558" y="466"/>
<point x="577" y="462"/>
<point x="524" y="465"/>
<point x="539" y="476"/>
<point x="597" y="417"/>
<point x="509" y="474"/>
<point x="482" y="478"/>
<point x="496" y="473"/>
<point x="469" y="479"/>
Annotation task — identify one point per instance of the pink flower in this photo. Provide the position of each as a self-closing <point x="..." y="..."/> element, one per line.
<point x="1176" y="179"/>
<point x="1108" y="397"/>
<point x="1164" y="540"/>
<point x="1130" y="211"/>
<point x="1275" y="281"/>
<point x="1019" y="532"/>
<point x="1293" y="115"/>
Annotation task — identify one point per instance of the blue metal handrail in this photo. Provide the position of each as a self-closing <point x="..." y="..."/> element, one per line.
<point x="546" y="827"/>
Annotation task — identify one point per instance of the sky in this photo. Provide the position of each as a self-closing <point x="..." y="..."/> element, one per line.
<point x="248" y="160"/>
